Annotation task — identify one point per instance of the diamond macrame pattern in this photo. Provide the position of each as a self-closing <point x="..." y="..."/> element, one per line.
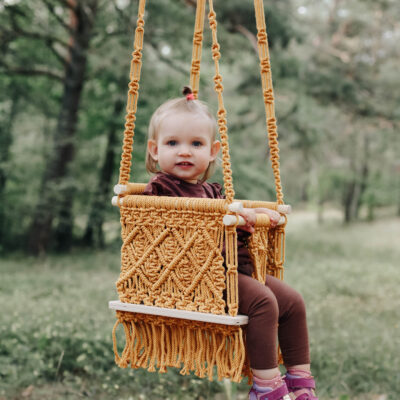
<point x="164" y="265"/>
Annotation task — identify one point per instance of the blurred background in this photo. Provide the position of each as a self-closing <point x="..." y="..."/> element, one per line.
<point x="64" y="71"/>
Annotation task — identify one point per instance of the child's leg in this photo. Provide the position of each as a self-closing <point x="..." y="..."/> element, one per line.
<point x="259" y="303"/>
<point x="292" y="331"/>
<point x="267" y="305"/>
<point x="293" y="339"/>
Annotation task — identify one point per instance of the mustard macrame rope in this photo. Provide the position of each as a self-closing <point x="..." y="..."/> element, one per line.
<point x="268" y="93"/>
<point x="194" y="82"/>
<point x="192" y="346"/>
<point x="133" y="95"/>
<point x="218" y="87"/>
<point x="197" y="47"/>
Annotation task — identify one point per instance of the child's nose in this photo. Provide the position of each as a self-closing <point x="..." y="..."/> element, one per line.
<point x="184" y="150"/>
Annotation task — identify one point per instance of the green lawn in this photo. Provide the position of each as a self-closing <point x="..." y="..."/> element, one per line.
<point x="55" y="331"/>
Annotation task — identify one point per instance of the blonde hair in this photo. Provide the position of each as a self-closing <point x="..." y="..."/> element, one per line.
<point x="179" y="105"/>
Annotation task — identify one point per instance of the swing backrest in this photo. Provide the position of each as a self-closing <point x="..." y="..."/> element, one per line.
<point x="171" y="223"/>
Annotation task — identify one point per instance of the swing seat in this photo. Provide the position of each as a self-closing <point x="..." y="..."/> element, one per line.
<point x="178" y="294"/>
<point x="176" y="297"/>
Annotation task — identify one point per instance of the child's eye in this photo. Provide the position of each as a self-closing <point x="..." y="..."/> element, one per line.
<point x="171" y="143"/>
<point x="197" y="143"/>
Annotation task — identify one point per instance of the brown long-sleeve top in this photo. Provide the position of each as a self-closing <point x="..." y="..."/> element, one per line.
<point x="163" y="184"/>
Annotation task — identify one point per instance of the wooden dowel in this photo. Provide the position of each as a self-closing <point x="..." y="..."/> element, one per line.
<point x="262" y="220"/>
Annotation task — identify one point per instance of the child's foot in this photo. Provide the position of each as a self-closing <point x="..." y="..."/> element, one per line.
<point x="302" y="387"/>
<point x="274" y="389"/>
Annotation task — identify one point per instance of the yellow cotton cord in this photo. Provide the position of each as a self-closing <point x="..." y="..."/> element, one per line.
<point x="197" y="47"/>
<point x="206" y="346"/>
<point x="221" y="114"/>
<point x="133" y="95"/>
<point x="268" y="93"/>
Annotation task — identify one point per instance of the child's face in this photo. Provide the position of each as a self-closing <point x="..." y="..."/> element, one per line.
<point x="184" y="146"/>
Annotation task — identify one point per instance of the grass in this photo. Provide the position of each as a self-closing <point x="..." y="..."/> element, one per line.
<point x="55" y="327"/>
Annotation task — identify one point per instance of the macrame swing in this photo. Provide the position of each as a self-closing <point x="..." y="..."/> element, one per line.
<point x="172" y="282"/>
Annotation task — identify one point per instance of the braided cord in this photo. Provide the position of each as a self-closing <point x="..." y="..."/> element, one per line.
<point x="218" y="87"/>
<point x="197" y="47"/>
<point x="133" y="95"/>
<point x="268" y="93"/>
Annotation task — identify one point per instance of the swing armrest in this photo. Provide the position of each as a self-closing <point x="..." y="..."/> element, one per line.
<point x="139" y="187"/>
<point x="262" y="220"/>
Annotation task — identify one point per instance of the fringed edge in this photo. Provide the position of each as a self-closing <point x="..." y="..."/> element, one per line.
<point x="160" y="342"/>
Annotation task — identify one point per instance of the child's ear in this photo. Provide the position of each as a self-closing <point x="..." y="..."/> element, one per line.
<point x="215" y="148"/>
<point x="152" y="149"/>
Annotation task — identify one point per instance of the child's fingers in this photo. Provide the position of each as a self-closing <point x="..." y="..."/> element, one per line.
<point x="249" y="216"/>
<point x="248" y="228"/>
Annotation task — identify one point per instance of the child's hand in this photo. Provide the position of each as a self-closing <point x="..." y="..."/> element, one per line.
<point x="274" y="216"/>
<point x="249" y="215"/>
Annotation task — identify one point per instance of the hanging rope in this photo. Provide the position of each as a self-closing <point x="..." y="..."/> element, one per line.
<point x="133" y="95"/>
<point x="218" y="87"/>
<point x="268" y="93"/>
<point x="197" y="47"/>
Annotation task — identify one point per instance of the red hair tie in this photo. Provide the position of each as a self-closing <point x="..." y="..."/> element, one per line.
<point x="190" y="96"/>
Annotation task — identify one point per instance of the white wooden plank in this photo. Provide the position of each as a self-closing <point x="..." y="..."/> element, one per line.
<point x="170" y="312"/>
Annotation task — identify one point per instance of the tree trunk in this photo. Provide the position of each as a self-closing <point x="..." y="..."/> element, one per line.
<point x="363" y="181"/>
<point x="5" y="144"/>
<point x="94" y="235"/>
<point x="348" y="201"/>
<point x="55" y="197"/>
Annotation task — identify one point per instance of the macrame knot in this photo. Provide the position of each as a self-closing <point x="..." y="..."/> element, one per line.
<point x="134" y="86"/>
<point x="137" y="55"/>
<point x="195" y="67"/>
<point x="131" y="118"/>
<point x="271" y="123"/>
<point x="265" y="65"/>
<point x="212" y="19"/>
<point x="197" y="37"/>
<point x="221" y="113"/>
<point x="215" y="47"/>
<point x="268" y="96"/>
<point x="262" y="37"/>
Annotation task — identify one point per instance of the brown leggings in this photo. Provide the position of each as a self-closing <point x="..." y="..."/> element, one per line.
<point x="275" y="310"/>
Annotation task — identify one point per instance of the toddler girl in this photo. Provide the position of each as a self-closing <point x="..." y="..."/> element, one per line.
<point x="181" y="151"/>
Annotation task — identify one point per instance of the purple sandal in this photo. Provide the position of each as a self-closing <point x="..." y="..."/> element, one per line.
<point x="297" y="384"/>
<point x="280" y="393"/>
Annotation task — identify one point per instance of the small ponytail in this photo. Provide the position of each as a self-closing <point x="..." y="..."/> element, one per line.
<point x="187" y="92"/>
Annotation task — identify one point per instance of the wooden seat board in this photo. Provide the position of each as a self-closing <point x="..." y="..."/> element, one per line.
<point x="182" y="314"/>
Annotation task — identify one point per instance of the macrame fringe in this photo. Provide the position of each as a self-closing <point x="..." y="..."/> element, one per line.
<point x="155" y="342"/>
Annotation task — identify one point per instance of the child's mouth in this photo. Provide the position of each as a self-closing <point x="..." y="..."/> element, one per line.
<point x="184" y="164"/>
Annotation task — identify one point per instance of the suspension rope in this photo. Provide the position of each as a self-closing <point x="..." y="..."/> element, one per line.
<point x="221" y="114"/>
<point x="197" y="47"/>
<point x="133" y="95"/>
<point x="268" y="93"/>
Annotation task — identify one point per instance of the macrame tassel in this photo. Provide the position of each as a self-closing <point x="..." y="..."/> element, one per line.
<point x="160" y="342"/>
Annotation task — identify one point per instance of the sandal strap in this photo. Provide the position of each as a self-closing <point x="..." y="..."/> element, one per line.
<point x="306" y="396"/>
<point x="300" y="383"/>
<point x="280" y="393"/>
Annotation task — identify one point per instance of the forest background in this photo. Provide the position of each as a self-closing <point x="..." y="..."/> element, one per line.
<point x="64" y="70"/>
